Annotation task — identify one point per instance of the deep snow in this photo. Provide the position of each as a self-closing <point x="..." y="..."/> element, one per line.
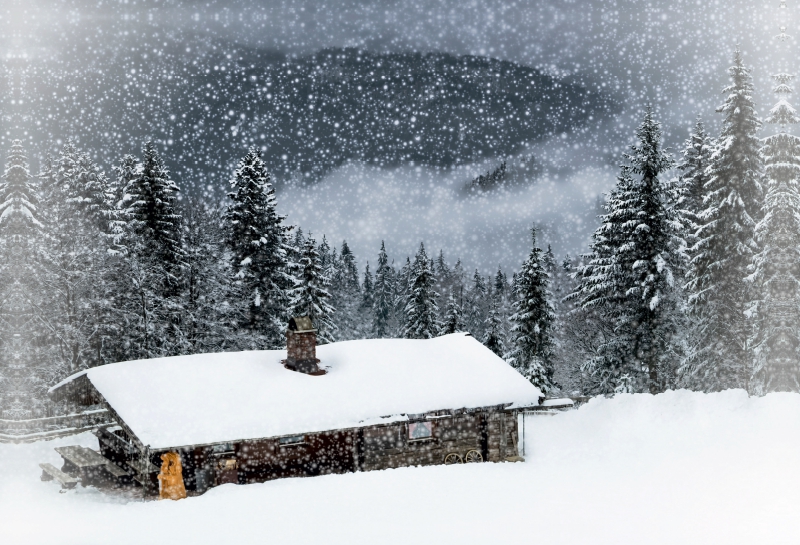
<point x="679" y="467"/>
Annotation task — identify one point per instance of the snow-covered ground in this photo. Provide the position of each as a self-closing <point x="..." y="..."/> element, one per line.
<point x="675" y="468"/>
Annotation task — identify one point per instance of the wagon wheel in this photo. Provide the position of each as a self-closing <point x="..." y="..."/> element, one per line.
<point x="473" y="456"/>
<point x="453" y="458"/>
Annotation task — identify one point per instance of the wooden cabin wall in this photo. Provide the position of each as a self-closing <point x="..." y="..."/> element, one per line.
<point x="80" y="393"/>
<point x="493" y="433"/>
<point x="503" y="436"/>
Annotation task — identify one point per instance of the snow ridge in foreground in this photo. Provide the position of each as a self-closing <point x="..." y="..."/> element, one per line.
<point x="679" y="467"/>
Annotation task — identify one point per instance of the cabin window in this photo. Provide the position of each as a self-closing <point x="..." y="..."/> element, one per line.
<point x="293" y="440"/>
<point x="420" y="430"/>
<point x="222" y="448"/>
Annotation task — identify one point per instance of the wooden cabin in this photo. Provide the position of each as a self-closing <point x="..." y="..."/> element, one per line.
<point x="349" y="406"/>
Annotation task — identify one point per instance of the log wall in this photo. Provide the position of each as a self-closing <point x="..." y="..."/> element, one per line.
<point x="493" y="433"/>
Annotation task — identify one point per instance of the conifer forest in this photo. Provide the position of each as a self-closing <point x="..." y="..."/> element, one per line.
<point x="122" y="244"/>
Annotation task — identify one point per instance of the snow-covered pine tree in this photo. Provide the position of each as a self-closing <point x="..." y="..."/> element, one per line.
<point x="349" y="268"/>
<point x="633" y="267"/>
<point x="477" y="306"/>
<point x="297" y="244"/>
<point x="150" y="206"/>
<point x="494" y="336"/>
<point x="383" y="299"/>
<point x="18" y="196"/>
<point x="421" y="309"/>
<point x="150" y="277"/>
<point x="259" y="252"/>
<point x="22" y="387"/>
<point x="458" y="278"/>
<point x="310" y="296"/>
<point x="500" y="283"/>
<point x="126" y="171"/>
<point x="208" y="312"/>
<point x="367" y="290"/>
<point x="776" y="272"/>
<point x="578" y="334"/>
<point x="697" y="152"/>
<point x="442" y="270"/>
<point x="299" y="240"/>
<point x="326" y="257"/>
<point x="346" y="294"/>
<point x="443" y="274"/>
<point x="530" y="344"/>
<point x="84" y="232"/>
<point x="365" y="307"/>
<point x="553" y="272"/>
<point x="401" y="290"/>
<point x="453" y="316"/>
<point x="720" y="357"/>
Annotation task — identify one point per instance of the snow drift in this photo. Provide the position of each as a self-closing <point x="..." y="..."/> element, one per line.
<point x="678" y="467"/>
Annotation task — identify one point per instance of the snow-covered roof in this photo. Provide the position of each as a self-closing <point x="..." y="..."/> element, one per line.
<point x="211" y="398"/>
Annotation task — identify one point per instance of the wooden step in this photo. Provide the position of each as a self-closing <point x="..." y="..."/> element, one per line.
<point x="50" y="472"/>
<point x="115" y="470"/>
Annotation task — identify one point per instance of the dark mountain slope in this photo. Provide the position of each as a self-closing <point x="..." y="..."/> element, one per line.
<point x="206" y="103"/>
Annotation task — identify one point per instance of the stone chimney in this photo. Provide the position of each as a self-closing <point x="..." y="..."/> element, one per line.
<point x="301" y="346"/>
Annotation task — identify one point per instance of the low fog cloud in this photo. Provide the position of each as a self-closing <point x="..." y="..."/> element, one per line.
<point x="406" y="206"/>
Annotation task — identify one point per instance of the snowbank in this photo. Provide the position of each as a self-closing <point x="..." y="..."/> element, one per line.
<point x="674" y="468"/>
<point x="208" y="398"/>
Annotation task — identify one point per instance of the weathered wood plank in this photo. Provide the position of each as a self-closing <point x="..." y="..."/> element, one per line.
<point x="50" y="472"/>
<point x="81" y="457"/>
<point x="115" y="470"/>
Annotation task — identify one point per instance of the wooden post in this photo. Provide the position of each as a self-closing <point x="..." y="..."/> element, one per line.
<point x="144" y="465"/>
<point x="502" y="436"/>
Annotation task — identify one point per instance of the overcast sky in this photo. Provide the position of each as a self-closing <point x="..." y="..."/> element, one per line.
<point x="672" y="54"/>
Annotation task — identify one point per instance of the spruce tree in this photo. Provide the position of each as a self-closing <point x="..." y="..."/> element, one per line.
<point x="776" y="272"/>
<point x="259" y="251"/>
<point x="310" y="296"/>
<point x="477" y="306"/>
<point x="442" y="271"/>
<point x="500" y="283"/>
<point x="401" y="292"/>
<point x="208" y="312"/>
<point x="494" y="337"/>
<point x="458" y="276"/>
<point x="346" y="294"/>
<point x="126" y="171"/>
<point x="453" y="316"/>
<point x="725" y="247"/>
<point x="531" y="342"/>
<point x="633" y="267"/>
<point x="22" y="392"/>
<point x="297" y="244"/>
<point x="84" y="232"/>
<point x="697" y="152"/>
<point x="326" y="257"/>
<point x="421" y="309"/>
<point x="349" y="269"/>
<point x="367" y="291"/>
<point x="150" y="206"/>
<point x="383" y="298"/>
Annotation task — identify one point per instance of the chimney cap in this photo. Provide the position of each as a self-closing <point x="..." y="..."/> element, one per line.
<point x="301" y="324"/>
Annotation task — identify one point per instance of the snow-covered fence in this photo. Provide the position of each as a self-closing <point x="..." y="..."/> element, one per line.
<point x="36" y="429"/>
